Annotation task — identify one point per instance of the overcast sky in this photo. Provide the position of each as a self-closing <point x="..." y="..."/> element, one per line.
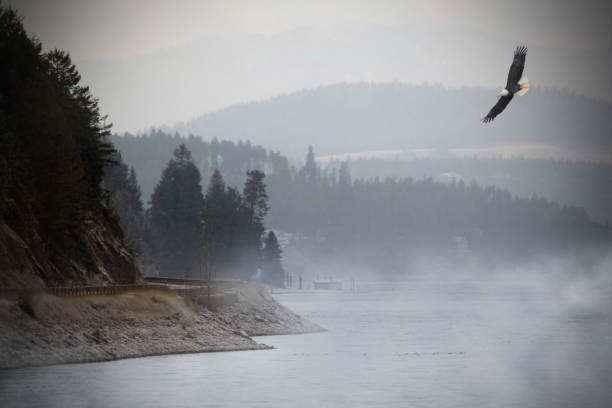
<point x="159" y="62"/>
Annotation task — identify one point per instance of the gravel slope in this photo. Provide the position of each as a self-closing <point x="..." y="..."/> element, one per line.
<point x="44" y="329"/>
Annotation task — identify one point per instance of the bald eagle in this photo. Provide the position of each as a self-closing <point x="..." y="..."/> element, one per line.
<point x="516" y="84"/>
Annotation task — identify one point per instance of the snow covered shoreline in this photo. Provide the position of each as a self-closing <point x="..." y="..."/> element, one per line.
<point x="44" y="329"/>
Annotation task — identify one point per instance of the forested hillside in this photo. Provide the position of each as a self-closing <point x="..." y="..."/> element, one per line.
<point x="56" y="227"/>
<point x="186" y="233"/>
<point x="149" y="153"/>
<point x="387" y="223"/>
<point x="578" y="183"/>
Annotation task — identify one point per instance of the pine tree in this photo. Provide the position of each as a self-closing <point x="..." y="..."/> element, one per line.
<point x="88" y="126"/>
<point x="255" y="197"/>
<point x="134" y="193"/>
<point x="344" y="175"/>
<point x="250" y="229"/>
<point x="176" y="214"/>
<point x="274" y="274"/>
<point x="125" y="194"/>
<point x="310" y="170"/>
<point x="217" y="217"/>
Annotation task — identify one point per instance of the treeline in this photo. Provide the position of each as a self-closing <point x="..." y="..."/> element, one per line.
<point x="185" y="233"/>
<point x="393" y="222"/>
<point x="387" y="223"/>
<point x="150" y="152"/>
<point x="579" y="183"/>
<point x="53" y="149"/>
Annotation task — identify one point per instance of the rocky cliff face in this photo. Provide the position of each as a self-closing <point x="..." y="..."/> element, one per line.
<point x="97" y="256"/>
<point x="18" y="265"/>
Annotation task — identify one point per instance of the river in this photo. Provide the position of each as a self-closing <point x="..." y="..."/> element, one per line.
<point x="422" y="343"/>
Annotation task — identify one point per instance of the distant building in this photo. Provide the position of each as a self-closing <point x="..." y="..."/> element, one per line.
<point x="327" y="285"/>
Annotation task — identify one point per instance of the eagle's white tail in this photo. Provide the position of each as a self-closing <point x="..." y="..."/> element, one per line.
<point x="524" y="84"/>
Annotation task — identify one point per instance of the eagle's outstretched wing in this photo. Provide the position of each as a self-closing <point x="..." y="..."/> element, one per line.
<point x="518" y="63"/>
<point x="498" y="108"/>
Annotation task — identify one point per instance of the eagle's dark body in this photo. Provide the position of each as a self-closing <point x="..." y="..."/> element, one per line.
<point x="513" y="85"/>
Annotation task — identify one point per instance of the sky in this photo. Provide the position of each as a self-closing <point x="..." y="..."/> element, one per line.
<point x="152" y="62"/>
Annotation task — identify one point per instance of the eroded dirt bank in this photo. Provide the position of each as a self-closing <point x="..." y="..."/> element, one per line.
<point x="46" y="329"/>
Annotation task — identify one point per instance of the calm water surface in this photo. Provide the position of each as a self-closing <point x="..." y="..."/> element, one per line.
<point x="424" y="344"/>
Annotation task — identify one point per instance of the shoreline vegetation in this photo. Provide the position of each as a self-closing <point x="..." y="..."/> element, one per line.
<point x="44" y="329"/>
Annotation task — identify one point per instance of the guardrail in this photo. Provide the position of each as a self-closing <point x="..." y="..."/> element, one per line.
<point x="198" y="295"/>
<point x="186" y="281"/>
<point x="174" y="281"/>
<point x="81" y="290"/>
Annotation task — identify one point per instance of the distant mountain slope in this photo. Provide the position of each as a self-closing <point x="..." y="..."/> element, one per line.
<point x="363" y="117"/>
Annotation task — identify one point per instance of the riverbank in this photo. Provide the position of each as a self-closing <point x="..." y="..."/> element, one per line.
<point x="44" y="329"/>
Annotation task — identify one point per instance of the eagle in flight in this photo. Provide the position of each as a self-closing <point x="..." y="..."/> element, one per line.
<point x="516" y="84"/>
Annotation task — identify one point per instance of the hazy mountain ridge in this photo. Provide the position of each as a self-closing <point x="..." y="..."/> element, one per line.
<point x="209" y="73"/>
<point x="346" y="118"/>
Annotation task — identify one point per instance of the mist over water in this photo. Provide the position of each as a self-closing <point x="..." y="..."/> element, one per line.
<point x="532" y="336"/>
<point x="452" y="295"/>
